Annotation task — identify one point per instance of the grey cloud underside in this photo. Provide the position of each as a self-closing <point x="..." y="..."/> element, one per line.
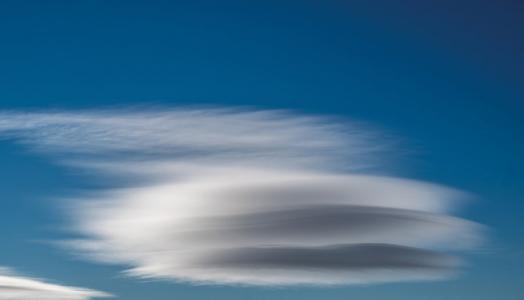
<point x="236" y="196"/>
<point x="325" y="224"/>
<point x="356" y="257"/>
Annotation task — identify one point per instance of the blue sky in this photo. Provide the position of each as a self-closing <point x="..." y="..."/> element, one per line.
<point x="443" y="78"/>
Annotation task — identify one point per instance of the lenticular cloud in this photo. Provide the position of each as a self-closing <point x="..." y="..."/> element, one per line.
<point x="234" y="196"/>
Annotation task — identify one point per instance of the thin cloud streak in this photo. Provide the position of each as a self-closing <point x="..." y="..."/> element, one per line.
<point x="237" y="196"/>
<point x="17" y="287"/>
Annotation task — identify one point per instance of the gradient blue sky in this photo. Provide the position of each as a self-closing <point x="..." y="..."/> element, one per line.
<point x="446" y="76"/>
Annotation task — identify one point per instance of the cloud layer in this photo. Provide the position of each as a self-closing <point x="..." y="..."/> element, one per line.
<point x="17" y="287"/>
<point x="248" y="197"/>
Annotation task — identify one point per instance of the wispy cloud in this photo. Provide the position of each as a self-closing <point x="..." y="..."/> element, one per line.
<point x="17" y="287"/>
<point x="248" y="197"/>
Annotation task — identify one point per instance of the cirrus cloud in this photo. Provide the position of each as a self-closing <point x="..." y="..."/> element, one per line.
<point x="237" y="196"/>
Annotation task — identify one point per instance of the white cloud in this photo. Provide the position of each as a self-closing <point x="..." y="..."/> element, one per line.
<point x="248" y="197"/>
<point x="17" y="287"/>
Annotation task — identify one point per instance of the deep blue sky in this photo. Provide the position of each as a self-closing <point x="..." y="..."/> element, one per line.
<point x="446" y="77"/>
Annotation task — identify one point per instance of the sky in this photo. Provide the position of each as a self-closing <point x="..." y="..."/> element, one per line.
<point x="379" y="146"/>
